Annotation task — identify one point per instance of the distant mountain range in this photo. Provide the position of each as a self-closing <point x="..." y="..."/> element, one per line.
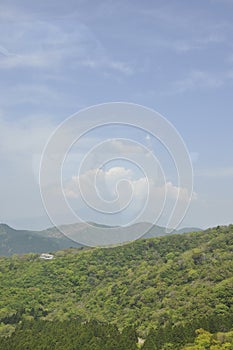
<point x="14" y="241"/>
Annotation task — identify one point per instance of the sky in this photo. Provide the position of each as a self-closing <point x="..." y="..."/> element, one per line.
<point x="60" y="57"/>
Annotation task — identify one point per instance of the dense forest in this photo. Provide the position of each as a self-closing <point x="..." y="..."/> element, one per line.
<point x="175" y="292"/>
<point x="93" y="335"/>
<point x="69" y="335"/>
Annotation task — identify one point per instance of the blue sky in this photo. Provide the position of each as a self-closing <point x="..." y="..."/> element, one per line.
<point x="57" y="57"/>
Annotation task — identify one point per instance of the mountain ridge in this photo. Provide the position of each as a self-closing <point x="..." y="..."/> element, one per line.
<point x="13" y="241"/>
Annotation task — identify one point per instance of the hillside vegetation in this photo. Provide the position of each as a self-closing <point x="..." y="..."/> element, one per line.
<point x="23" y="241"/>
<point x="171" y="285"/>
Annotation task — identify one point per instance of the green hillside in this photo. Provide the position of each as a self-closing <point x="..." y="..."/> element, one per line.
<point x="24" y="241"/>
<point x="171" y="281"/>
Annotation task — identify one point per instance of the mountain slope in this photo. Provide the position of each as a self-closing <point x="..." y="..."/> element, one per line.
<point x="23" y="241"/>
<point x="149" y="282"/>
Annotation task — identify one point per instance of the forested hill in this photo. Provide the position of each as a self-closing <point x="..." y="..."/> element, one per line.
<point x="159" y="282"/>
<point x="14" y="241"/>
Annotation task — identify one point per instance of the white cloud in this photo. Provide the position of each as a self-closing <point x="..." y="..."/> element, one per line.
<point x="29" y="60"/>
<point x="41" y="44"/>
<point x="197" y="42"/>
<point x="107" y="63"/>
<point x="121" y="67"/>
<point x="197" y="32"/>
<point x="53" y="45"/>
<point x="106" y="182"/>
<point x="5" y="52"/>
<point x="196" y="80"/>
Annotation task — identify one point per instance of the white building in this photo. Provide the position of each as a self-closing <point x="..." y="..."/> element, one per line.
<point x="46" y="256"/>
